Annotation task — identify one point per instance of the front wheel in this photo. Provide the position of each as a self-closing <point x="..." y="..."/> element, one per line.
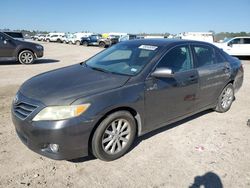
<point x="114" y="136"/>
<point x="78" y="43"/>
<point x="102" y="45"/>
<point x="225" y="99"/>
<point x="26" y="57"/>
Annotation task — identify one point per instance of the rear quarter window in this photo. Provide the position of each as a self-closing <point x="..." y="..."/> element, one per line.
<point x="219" y="57"/>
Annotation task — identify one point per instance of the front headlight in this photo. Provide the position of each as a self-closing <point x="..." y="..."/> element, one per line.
<point x="39" y="47"/>
<point x="60" y="112"/>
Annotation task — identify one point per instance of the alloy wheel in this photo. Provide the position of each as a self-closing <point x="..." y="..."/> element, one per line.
<point x="227" y="98"/>
<point x="26" y="57"/>
<point x="116" y="136"/>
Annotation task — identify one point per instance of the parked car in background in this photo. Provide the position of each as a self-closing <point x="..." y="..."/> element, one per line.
<point x="66" y="38"/>
<point x="39" y="37"/>
<point x="55" y="37"/>
<point x="200" y="36"/>
<point x="125" y="91"/>
<point x="106" y="42"/>
<point x="92" y="40"/>
<point x="15" y="35"/>
<point x="18" y="50"/>
<point x="77" y="37"/>
<point x="140" y="37"/>
<point x="127" y="37"/>
<point x="238" y="46"/>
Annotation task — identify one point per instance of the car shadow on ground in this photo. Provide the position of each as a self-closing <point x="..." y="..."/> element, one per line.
<point x="37" y="61"/>
<point x="149" y="135"/>
<point x="46" y="61"/>
<point x="208" y="180"/>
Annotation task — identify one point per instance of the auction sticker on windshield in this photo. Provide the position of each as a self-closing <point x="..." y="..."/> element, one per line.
<point x="148" y="47"/>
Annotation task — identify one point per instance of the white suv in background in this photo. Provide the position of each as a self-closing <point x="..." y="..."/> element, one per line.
<point x="77" y="37"/>
<point x="238" y="46"/>
<point x="55" y="37"/>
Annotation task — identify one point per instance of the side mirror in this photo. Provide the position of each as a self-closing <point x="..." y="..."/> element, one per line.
<point x="230" y="44"/>
<point x="163" y="73"/>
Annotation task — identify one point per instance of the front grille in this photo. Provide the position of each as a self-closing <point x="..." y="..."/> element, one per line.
<point x="23" y="110"/>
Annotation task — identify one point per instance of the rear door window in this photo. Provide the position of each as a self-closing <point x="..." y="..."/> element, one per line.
<point x="204" y="55"/>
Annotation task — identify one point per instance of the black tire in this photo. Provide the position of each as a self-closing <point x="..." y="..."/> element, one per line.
<point x="70" y="42"/>
<point x="26" y="57"/>
<point x="225" y="99"/>
<point x="47" y="40"/>
<point x="102" y="45"/>
<point x="78" y="43"/>
<point x="59" y="41"/>
<point x="85" y="43"/>
<point x="100" y="135"/>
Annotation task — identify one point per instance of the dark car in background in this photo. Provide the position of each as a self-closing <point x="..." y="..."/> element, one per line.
<point x="92" y="40"/>
<point x="98" y="40"/>
<point x="17" y="50"/>
<point x="109" y="41"/>
<point x="101" y="105"/>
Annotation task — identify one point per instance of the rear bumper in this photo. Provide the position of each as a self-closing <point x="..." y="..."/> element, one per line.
<point x="71" y="135"/>
<point x="238" y="80"/>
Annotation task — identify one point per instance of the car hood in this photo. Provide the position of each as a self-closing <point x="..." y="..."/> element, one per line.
<point x="63" y="86"/>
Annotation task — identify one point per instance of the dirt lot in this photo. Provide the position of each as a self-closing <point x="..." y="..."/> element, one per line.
<point x="207" y="149"/>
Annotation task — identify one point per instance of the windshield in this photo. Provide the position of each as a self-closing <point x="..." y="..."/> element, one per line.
<point x="227" y="39"/>
<point x="126" y="59"/>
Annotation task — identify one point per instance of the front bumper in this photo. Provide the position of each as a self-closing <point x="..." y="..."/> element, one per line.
<point x="72" y="136"/>
<point x="39" y="53"/>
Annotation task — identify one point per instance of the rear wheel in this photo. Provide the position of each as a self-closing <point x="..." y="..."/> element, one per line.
<point x="26" y="57"/>
<point x="114" y="136"/>
<point x="225" y="99"/>
<point x="85" y="43"/>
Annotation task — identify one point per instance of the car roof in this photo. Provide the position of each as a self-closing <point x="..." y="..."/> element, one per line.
<point x="162" y="42"/>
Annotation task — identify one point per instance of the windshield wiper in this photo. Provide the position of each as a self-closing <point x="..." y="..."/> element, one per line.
<point x="99" y="69"/>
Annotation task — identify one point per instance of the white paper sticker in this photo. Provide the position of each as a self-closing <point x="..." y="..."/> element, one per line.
<point x="133" y="70"/>
<point x="148" y="47"/>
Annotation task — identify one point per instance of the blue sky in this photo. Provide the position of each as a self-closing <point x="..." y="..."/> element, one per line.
<point x="132" y="16"/>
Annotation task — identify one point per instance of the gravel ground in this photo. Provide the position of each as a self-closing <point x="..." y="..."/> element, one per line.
<point x="209" y="149"/>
